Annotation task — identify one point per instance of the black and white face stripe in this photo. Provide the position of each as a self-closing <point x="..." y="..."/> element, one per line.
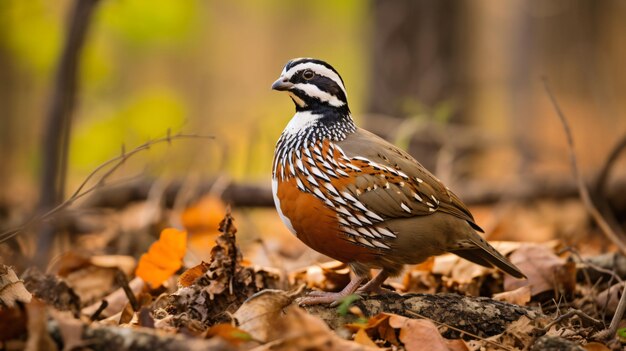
<point x="312" y="83"/>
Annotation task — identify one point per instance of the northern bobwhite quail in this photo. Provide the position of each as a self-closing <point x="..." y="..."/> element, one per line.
<point x="353" y="196"/>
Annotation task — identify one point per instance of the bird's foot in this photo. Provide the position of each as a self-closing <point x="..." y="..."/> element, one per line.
<point x="323" y="297"/>
<point x="333" y="298"/>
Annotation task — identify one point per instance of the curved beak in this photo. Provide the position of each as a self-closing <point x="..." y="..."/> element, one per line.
<point x="282" y="84"/>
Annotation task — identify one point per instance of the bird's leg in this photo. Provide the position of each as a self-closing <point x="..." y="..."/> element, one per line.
<point x="374" y="285"/>
<point x="322" y="297"/>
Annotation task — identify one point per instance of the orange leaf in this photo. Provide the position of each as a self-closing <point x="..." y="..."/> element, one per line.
<point x="192" y="274"/>
<point x="229" y="333"/>
<point x="205" y="214"/>
<point x="362" y="338"/>
<point x="163" y="258"/>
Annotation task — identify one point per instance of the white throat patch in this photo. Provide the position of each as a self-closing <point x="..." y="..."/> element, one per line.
<point x="301" y="121"/>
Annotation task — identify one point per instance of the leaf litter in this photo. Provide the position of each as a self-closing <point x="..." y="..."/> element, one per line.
<point x="224" y="302"/>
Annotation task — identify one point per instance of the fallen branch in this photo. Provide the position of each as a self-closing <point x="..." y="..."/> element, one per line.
<point x="260" y="195"/>
<point x="125" y="338"/>
<point x="479" y="316"/>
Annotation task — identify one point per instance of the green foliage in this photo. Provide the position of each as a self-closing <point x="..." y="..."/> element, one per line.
<point x="345" y="304"/>
<point x="32" y="33"/>
<point x="147" y="115"/>
<point x="146" y="23"/>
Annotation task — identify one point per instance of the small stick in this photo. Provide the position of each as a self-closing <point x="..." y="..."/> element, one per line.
<point x="593" y="211"/>
<point x="120" y="278"/>
<point x="582" y="188"/>
<point x="103" y="305"/>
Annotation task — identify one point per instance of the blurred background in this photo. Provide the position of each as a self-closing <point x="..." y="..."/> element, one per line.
<point x="458" y="83"/>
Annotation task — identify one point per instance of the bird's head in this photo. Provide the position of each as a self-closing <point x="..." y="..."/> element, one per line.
<point x="313" y="85"/>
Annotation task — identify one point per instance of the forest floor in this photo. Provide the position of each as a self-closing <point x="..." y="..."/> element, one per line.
<point x="171" y="289"/>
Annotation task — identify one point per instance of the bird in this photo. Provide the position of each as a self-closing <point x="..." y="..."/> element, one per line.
<point x="351" y="195"/>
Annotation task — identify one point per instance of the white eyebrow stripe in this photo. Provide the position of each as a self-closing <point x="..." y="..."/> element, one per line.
<point x="314" y="91"/>
<point x="318" y="69"/>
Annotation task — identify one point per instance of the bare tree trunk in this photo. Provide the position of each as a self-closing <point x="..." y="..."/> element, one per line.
<point x="59" y="120"/>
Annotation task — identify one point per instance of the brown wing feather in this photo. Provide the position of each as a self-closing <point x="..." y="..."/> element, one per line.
<point x="425" y="184"/>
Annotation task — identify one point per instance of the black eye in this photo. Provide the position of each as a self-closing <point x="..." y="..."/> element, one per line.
<point x="308" y="74"/>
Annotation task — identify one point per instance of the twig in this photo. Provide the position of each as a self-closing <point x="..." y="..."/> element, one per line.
<point x="103" y="305"/>
<point x="593" y="211"/>
<point x="578" y="313"/>
<point x="582" y="188"/>
<point x="83" y="190"/>
<point x="120" y="278"/>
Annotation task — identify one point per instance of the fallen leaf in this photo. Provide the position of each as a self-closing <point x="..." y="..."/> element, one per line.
<point x="122" y="262"/>
<point x="362" y="338"/>
<point x="257" y="314"/>
<point x="12" y="288"/>
<point x="38" y="336"/>
<point x="116" y="300"/>
<point x="378" y="327"/>
<point x="12" y="323"/>
<point x="192" y="274"/>
<point x="418" y="334"/>
<point x="163" y="258"/>
<point x="596" y="346"/>
<point x="295" y="329"/>
<point x="520" y="296"/>
<point x="71" y="330"/>
<point x="539" y="263"/>
<point x="229" y="333"/>
<point x="201" y="220"/>
<point x="327" y="276"/>
<point x="205" y="214"/>
<point x="609" y="298"/>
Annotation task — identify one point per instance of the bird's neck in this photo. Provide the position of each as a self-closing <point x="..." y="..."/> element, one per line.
<point x="319" y="124"/>
<point x="308" y="128"/>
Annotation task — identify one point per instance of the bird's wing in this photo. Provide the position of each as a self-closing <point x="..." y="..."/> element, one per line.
<point x="393" y="184"/>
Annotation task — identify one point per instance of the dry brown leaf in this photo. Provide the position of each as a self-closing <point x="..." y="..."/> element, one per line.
<point x="540" y="265"/>
<point x="362" y="338"/>
<point x="12" y="323"/>
<point x="192" y="274"/>
<point x="520" y="296"/>
<point x="418" y="334"/>
<point x="327" y="276"/>
<point x="71" y="330"/>
<point x="378" y="327"/>
<point x="116" y="300"/>
<point x="609" y="298"/>
<point x="92" y="277"/>
<point x="12" y="289"/>
<point x="463" y="271"/>
<point x="457" y="345"/>
<point x="258" y="314"/>
<point x="519" y="332"/>
<point x="163" y="258"/>
<point x="91" y="282"/>
<point x="298" y="330"/>
<point x="124" y="263"/>
<point x="38" y="336"/>
<point x="596" y="346"/>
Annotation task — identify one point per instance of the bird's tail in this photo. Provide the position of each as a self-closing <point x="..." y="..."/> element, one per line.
<point x="482" y="253"/>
